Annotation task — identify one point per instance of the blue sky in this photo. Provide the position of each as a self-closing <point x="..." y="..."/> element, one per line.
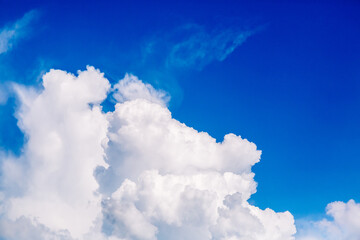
<point x="284" y="75"/>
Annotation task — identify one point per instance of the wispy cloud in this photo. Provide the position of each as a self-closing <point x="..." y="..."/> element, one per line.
<point x="167" y="55"/>
<point x="3" y="94"/>
<point x="201" y="47"/>
<point x="10" y="34"/>
<point x="194" y="46"/>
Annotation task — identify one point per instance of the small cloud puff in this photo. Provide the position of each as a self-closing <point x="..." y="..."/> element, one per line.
<point x="345" y="223"/>
<point x="131" y="88"/>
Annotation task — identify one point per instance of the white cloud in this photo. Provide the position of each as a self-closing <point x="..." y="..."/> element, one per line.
<point x="344" y="225"/>
<point x="243" y="221"/>
<point x="131" y="88"/>
<point x="10" y="34"/>
<point x="24" y="229"/>
<point x="134" y="173"/>
<point x="64" y="146"/>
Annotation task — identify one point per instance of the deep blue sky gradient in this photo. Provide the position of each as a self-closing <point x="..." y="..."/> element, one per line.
<point x="293" y="87"/>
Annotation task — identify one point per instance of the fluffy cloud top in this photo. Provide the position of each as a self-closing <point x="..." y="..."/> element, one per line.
<point x="134" y="173"/>
<point x="131" y="88"/>
<point x="64" y="146"/>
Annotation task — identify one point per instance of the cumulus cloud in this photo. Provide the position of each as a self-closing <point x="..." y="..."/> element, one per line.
<point x="134" y="173"/>
<point x="131" y="88"/>
<point x="9" y="35"/>
<point x="64" y="146"/>
<point x="344" y="223"/>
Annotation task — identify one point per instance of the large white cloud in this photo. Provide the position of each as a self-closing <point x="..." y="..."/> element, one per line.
<point x="134" y="173"/>
<point x="65" y="137"/>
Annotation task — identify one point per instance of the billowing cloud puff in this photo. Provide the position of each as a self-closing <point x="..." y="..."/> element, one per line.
<point x="131" y="88"/>
<point x="134" y="173"/>
<point x="345" y="223"/>
<point x="65" y="138"/>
